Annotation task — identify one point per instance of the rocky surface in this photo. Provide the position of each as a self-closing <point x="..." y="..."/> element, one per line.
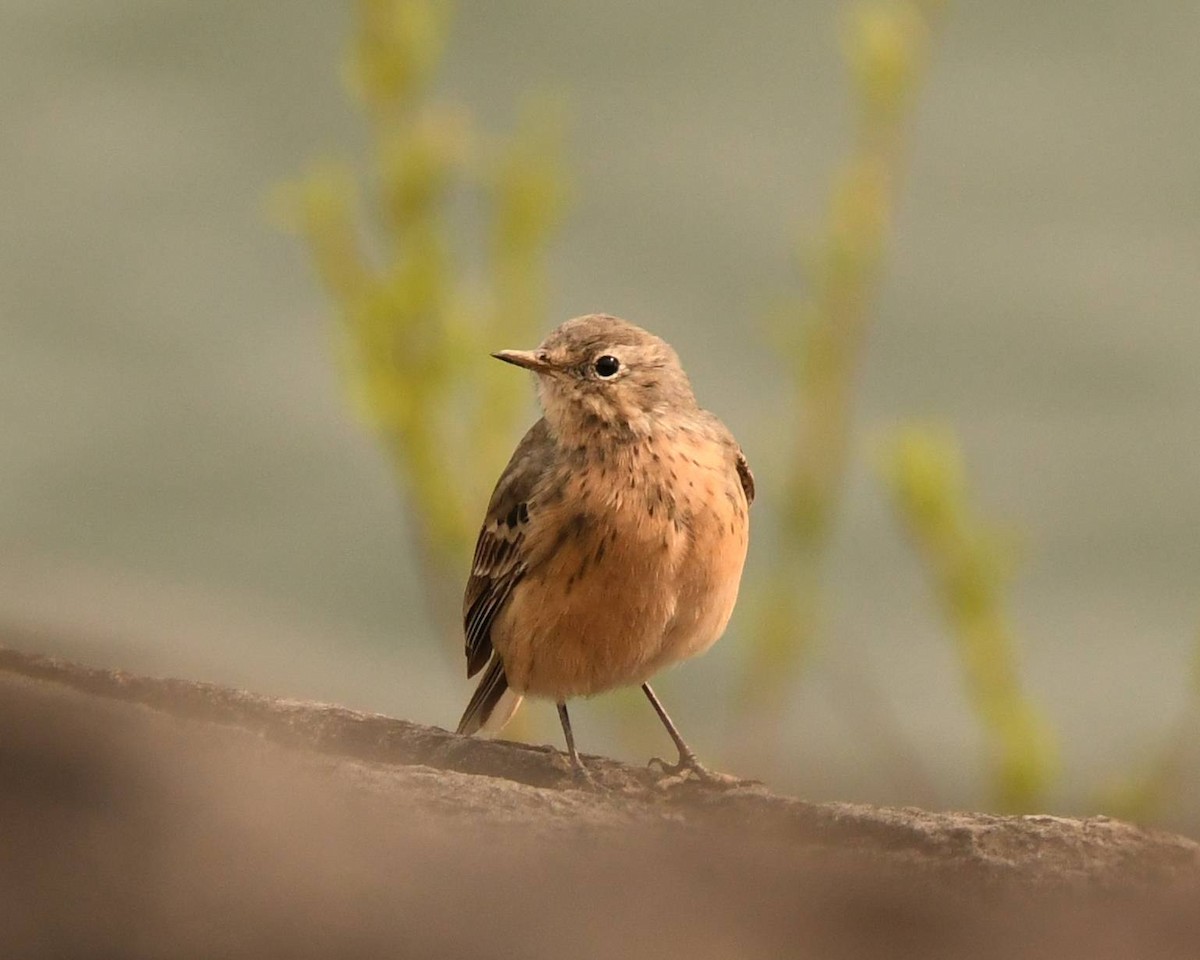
<point x="150" y="817"/>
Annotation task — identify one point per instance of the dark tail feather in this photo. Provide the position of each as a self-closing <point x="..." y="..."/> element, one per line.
<point x="492" y="686"/>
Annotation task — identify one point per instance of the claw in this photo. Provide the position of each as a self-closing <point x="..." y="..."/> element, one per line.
<point x="690" y="768"/>
<point x="581" y="777"/>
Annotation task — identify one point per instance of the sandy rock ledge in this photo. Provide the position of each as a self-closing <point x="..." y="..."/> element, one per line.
<point x="152" y="817"/>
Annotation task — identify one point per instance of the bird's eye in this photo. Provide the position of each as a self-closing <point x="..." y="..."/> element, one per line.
<point x="607" y="367"/>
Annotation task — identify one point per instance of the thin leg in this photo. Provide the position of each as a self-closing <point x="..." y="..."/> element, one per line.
<point x="576" y="764"/>
<point x="687" y="757"/>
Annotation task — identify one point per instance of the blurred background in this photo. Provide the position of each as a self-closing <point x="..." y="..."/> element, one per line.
<point x="983" y="594"/>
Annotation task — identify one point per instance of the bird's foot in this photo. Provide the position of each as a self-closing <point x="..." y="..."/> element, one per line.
<point x="689" y="768"/>
<point x="581" y="777"/>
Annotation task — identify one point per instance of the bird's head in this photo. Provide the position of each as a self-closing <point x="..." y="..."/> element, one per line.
<point x="599" y="373"/>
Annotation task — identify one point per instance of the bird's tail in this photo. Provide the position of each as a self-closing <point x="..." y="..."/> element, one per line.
<point x="492" y="704"/>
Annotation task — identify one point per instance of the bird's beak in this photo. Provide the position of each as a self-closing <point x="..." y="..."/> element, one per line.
<point x="528" y="359"/>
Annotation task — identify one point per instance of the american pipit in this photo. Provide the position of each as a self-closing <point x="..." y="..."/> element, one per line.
<point x="614" y="541"/>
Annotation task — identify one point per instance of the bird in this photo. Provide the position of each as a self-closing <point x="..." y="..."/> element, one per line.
<point x="614" y="541"/>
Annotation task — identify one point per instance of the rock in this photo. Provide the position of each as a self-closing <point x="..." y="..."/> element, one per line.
<point x="150" y="817"/>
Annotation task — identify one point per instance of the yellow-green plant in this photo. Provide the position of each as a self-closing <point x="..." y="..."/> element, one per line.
<point x="1149" y="792"/>
<point x="413" y="325"/>
<point x="886" y="45"/>
<point x="968" y="569"/>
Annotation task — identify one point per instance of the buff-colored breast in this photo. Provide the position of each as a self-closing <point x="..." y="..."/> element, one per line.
<point x="634" y="564"/>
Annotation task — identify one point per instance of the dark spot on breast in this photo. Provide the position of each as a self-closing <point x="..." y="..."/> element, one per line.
<point x="514" y="515"/>
<point x="569" y="531"/>
<point x="600" y="552"/>
<point x="523" y="512"/>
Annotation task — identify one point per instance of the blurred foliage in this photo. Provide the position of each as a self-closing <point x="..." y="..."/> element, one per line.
<point x="414" y="326"/>
<point x="886" y="45"/>
<point x="1148" y="793"/>
<point x="968" y="566"/>
<point x="418" y="311"/>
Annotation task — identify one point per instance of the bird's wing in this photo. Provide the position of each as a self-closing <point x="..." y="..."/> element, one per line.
<point x="720" y="433"/>
<point x="499" y="561"/>
<point x="747" y="478"/>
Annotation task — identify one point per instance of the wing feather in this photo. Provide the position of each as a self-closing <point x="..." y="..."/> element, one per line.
<point x="747" y="478"/>
<point x="499" y="561"/>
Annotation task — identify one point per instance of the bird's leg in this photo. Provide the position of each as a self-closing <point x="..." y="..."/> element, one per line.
<point x="688" y="760"/>
<point x="577" y="768"/>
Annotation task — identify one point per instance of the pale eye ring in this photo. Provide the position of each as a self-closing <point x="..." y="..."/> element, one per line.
<point x="606" y="367"/>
